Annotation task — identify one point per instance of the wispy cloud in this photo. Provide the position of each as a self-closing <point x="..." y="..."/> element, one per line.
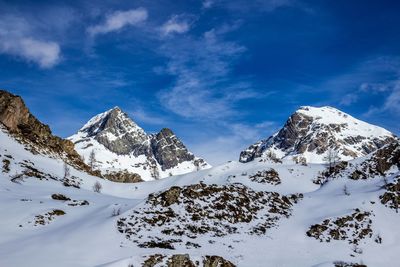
<point x="140" y="115"/>
<point x="118" y="20"/>
<point x="391" y="101"/>
<point x="17" y="38"/>
<point x="177" y="24"/>
<point x="245" y="6"/>
<point x="207" y="3"/>
<point x="203" y="88"/>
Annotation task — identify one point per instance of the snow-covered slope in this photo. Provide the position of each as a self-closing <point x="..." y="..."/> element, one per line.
<point x="250" y="214"/>
<point x="120" y="144"/>
<point x="311" y="132"/>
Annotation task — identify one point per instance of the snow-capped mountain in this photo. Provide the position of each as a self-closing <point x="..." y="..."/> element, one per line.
<point x="119" y="144"/>
<point x="258" y="214"/>
<point x="311" y="132"/>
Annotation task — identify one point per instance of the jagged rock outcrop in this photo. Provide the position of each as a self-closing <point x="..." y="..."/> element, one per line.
<point x="27" y="129"/>
<point x="311" y="132"/>
<point x="120" y="144"/>
<point x="168" y="150"/>
<point x="123" y="177"/>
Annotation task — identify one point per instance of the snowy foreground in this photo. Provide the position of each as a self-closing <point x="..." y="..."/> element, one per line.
<point x="77" y="233"/>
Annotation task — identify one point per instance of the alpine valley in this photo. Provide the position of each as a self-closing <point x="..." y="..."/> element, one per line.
<point x="322" y="191"/>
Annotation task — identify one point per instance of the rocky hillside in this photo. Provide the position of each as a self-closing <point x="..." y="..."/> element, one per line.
<point x="311" y="132"/>
<point x="119" y="144"/>
<point x="17" y="120"/>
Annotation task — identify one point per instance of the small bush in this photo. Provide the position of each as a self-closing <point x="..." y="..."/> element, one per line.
<point x="97" y="187"/>
<point x="116" y="212"/>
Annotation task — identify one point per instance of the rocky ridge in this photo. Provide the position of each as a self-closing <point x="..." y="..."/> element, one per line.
<point x="17" y="120"/>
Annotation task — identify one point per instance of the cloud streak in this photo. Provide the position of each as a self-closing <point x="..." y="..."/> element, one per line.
<point x="175" y="25"/>
<point x="118" y="20"/>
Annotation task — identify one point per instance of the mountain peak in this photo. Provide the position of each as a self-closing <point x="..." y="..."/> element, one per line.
<point x="114" y="120"/>
<point x="121" y="144"/>
<point x="311" y="131"/>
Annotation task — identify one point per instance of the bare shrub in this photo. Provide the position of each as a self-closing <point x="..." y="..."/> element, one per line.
<point x="97" y="187"/>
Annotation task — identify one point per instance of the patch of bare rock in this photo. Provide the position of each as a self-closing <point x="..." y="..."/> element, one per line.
<point x="179" y="260"/>
<point x="352" y="228"/>
<point x="269" y="176"/>
<point x="180" y="215"/>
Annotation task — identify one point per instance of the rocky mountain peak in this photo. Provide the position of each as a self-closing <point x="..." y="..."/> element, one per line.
<point x="116" y="131"/>
<point x="121" y="144"/>
<point x="311" y="131"/>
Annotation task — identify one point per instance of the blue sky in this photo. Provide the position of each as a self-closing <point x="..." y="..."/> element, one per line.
<point x="221" y="74"/>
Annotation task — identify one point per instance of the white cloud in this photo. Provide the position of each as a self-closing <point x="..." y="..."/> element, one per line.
<point x="176" y="25"/>
<point x="118" y="20"/>
<point x="16" y="39"/>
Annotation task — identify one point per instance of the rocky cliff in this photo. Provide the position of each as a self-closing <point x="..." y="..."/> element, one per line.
<point x="27" y="129"/>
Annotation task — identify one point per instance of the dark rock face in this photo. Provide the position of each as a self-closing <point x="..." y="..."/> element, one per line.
<point x="302" y="133"/>
<point x="129" y="137"/>
<point x="168" y="150"/>
<point x="17" y="119"/>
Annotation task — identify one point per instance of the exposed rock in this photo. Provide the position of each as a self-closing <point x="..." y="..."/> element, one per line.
<point x="266" y="176"/>
<point x="391" y="198"/>
<point x="316" y="130"/>
<point x="6" y="165"/>
<point x="198" y="209"/>
<point x="184" y="260"/>
<point x="128" y="137"/>
<point x="17" y="119"/>
<point x="153" y="260"/>
<point x="346" y="264"/>
<point x="168" y="150"/>
<point x="216" y="261"/>
<point x="60" y="197"/>
<point x="152" y="155"/>
<point x="123" y="177"/>
<point x="379" y="163"/>
<point x="47" y="217"/>
<point x="180" y="260"/>
<point x="352" y="228"/>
